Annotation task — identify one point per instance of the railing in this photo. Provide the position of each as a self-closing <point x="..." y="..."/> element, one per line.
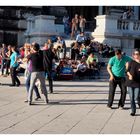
<point x="133" y="25"/>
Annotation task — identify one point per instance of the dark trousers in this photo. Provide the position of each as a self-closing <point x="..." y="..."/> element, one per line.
<point x="112" y="87"/>
<point x="7" y="66"/>
<point x="81" y="74"/>
<point x="28" y="86"/>
<point x="50" y="80"/>
<point x="14" y="77"/>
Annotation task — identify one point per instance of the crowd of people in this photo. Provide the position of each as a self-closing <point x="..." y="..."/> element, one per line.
<point x="123" y="70"/>
<point x="51" y="62"/>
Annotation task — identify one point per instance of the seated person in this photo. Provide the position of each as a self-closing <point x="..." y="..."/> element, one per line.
<point x="75" y="52"/>
<point x="90" y="59"/>
<point x="61" y="45"/>
<point x="66" y="72"/>
<point x="81" y="69"/>
<point x="95" y="69"/>
<point x="83" y="50"/>
<point x="80" y="38"/>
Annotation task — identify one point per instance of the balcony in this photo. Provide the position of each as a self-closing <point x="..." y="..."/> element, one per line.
<point x="116" y="32"/>
<point x="129" y="27"/>
<point x="115" y="27"/>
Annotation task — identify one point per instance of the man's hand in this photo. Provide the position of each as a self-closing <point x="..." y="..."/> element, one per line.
<point x="111" y="78"/>
<point x="130" y="77"/>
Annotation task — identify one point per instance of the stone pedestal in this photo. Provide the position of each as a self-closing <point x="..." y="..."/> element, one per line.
<point x="106" y="30"/>
<point x="40" y="28"/>
<point x="116" y="32"/>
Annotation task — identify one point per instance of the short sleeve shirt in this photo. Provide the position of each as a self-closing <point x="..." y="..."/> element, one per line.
<point x="13" y="59"/>
<point x="118" y="65"/>
<point x="37" y="61"/>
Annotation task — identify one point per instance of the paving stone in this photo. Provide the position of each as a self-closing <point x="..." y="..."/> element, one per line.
<point x="76" y="107"/>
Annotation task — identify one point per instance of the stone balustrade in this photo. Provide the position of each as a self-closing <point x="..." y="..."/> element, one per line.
<point x="128" y="25"/>
<point x="117" y="32"/>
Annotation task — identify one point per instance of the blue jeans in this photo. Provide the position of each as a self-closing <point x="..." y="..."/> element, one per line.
<point x="3" y="64"/>
<point x="28" y="86"/>
<point x="133" y="93"/>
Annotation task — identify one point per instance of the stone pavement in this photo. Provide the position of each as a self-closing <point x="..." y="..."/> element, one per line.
<point x="76" y="107"/>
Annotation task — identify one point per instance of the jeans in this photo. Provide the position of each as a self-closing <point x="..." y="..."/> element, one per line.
<point x="28" y="86"/>
<point x="133" y="94"/>
<point x="112" y="87"/>
<point x="3" y="64"/>
<point x="34" y="77"/>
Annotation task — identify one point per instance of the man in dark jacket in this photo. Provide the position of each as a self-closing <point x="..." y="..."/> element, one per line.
<point x="48" y="56"/>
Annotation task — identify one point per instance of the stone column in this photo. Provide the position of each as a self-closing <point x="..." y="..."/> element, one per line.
<point x="100" y="10"/>
<point x="136" y="12"/>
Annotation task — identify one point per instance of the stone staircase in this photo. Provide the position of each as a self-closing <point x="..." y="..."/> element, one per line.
<point x="103" y="72"/>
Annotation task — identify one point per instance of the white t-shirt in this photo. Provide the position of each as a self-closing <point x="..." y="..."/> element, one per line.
<point x="82" y="67"/>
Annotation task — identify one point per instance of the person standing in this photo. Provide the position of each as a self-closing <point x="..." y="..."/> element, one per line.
<point x="82" y="23"/>
<point x="28" y="71"/>
<point x="8" y="54"/>
<point x="4" y="60"/>
<point x="13" y="67"/>
<point x="66" y="24"/>
<point x="38" y="72"/>
<point x="133" y="80"/>
<point x="74" y="26"/>
<point x="48" y="56"/>
<point x="116" y="69"/>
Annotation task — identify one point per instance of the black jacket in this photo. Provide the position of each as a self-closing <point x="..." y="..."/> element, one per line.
<point x="48" y="56"/>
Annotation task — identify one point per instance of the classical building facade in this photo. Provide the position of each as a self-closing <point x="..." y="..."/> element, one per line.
<point x="14" y="24"/>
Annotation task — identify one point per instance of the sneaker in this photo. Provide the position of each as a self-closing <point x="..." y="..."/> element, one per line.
<point x="37" y="98"/>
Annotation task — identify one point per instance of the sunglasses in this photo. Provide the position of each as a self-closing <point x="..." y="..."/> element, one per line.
<point x="136" y="53"/>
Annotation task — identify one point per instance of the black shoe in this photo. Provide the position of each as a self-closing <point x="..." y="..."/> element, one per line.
<point x="18" y="85"/>
<point x="109" y="106"/>
<point x="139" y="106"/>
<point x="121" y="106"/>
<point x="50" y="91"/>
<point x="37" y="98"/>
<point x="30" y="103"/>
<point x="132" y="114"/>
<point x="47" y="101"/>
<point x="12" y="85"/>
